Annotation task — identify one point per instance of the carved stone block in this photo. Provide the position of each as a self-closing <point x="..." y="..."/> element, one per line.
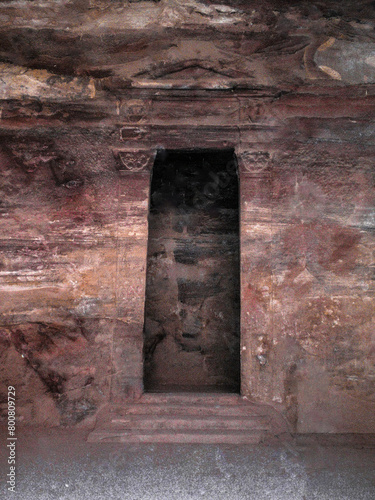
<point x="255" y="163"/>
<point x="134" y="160"/>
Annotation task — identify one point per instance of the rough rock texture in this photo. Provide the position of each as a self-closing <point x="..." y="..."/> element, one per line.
<point x="89" y="92"/>
<point x="308" y="293"/>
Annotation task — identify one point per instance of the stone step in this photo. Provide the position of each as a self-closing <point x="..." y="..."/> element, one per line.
<point x="196" y="410"/>
<point x="190" y="398"/>
<point x="191" y="423"/>
<point x="186" y="437"/>
<point x="184" y="418"/>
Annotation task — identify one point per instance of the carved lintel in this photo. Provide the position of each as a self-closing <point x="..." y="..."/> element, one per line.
<point x="134" y="160"/>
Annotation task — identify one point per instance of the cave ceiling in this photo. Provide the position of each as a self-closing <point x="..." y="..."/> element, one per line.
<point x="76" y="49"/>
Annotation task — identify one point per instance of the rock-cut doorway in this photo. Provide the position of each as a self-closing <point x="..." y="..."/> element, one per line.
<point x="192" y="303"/>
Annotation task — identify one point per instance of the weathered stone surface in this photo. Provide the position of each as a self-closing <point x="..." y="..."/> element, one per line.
<point x="66" y="365"/>
<point x="62" y="255"/>
<point x="18" y="82"/>
<point x="309" y="294"/>
<point x="193" y="44"/>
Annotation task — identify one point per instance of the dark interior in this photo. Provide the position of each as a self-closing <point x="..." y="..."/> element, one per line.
<point x="192" y="309"/>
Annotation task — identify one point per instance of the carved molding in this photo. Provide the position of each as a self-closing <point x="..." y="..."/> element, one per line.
<point x="134" y="160"/>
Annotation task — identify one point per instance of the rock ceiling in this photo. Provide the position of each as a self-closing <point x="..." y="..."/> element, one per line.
<point x="76" y="49"/>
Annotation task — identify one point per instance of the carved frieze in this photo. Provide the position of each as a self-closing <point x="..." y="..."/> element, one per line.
<point x="253" y="110"/>
<point x="135" y="110"/>
<point x="195" y="110"/>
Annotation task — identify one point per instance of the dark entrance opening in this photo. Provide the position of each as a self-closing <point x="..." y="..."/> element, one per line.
<point x="192" y="308"/>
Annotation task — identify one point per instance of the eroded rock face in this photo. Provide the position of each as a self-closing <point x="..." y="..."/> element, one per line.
<point x="80" y="48"/>
<point x="308" y="302"/>
<point x="66" y="366"/>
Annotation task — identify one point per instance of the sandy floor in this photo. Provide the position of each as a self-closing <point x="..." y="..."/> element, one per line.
<point x="59" y="464"/>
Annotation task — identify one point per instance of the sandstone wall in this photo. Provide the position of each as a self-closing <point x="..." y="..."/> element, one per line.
<point x="307" y="291"/>
<point x="73" y="259"/>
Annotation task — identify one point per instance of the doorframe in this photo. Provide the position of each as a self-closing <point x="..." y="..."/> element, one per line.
<point x="207" y="147"/>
